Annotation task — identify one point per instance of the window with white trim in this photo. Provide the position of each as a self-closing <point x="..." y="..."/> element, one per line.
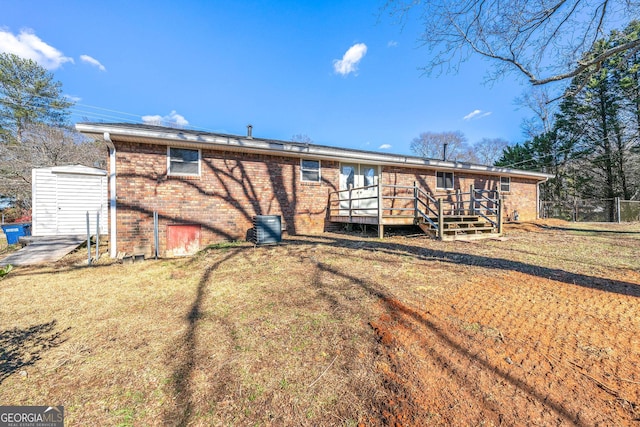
<point x="310" y="170"/>
<point x="183" y="161"/>
<point x="505" y="184"/>
<point x="444" y="180"/>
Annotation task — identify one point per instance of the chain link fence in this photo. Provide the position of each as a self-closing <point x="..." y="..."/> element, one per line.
<point x="629" y="210"/>
<point x="592" y="210"/>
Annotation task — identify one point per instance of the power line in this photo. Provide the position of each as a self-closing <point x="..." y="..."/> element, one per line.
<point x="534" y="158"/>
<point x="107" y="109"/>
<point x="87" y="112"/>
<point x="579" y="156"/>
<point x="92" y="114"/>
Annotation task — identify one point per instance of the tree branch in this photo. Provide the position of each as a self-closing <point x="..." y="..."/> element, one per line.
<point x="584" y="65"/>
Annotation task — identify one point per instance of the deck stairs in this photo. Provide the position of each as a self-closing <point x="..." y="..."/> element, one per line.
<point x="460" y="227"/>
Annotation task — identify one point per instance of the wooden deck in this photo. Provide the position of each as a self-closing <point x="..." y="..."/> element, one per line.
<point x="473" y="215"/>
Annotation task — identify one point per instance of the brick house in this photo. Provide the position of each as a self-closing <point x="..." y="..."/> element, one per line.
<point x="207" y="187"/>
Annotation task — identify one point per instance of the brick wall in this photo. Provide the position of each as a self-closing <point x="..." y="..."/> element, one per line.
<point x="233" y="187"/>
<point x="522" y="196"/>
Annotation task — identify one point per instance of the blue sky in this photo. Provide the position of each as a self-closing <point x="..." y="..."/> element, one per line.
<point x="343" y="73"/>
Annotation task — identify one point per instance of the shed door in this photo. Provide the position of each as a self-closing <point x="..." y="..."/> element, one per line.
<point x="44" y="205"/>
<point x="76" y="195"/>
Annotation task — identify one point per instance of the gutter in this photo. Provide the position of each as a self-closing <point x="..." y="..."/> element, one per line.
<point x="113" y="246"/>
<point x="538" y="196"/>
<point x="178" y="137"/>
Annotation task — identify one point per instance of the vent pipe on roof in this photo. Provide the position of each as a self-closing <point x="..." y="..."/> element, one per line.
<point x="444" y="151"/>
<point x="249" y="131"/>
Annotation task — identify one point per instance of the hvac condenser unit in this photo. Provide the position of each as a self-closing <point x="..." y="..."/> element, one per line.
<point x="267" y="229"/>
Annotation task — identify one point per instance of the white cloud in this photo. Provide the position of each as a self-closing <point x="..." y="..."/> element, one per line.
<point x="28" y="45"/>
<point x="384" y="147"/>
<point x="471" y="115"/>
<point x="392" y="43"/>
<point x="178" y="119"/>
<point x="349" y="62"/>
<point x="92" y="61"/>
<point x="72" y="98"/>
<point x="173" y="119"/>
<point x="152" y="120"/>
<point x="476" y="114"/>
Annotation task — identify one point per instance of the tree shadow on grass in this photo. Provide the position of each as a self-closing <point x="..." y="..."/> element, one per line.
<point x="22" y="347"/>
<point x="184" y="352"/>
<point x="503" y="264"/>
<point x="586" y="230"/>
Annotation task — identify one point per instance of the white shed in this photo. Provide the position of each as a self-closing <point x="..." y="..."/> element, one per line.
<point x="62" y="196"/>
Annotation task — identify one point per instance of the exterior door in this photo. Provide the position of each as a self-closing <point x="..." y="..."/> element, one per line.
<point x="75" y="196"/>
<point x="356" y="176"/>
<point x="347" y="180"/>
<point x="368" y="205"/>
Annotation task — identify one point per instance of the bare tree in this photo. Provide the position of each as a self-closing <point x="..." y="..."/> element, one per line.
<point x="431" y="145"/>
<point x="488" y="150"/>
<point x="544" y="39"/>
<point x="43" y="146"/>
<point x="540" y="103"/>
<point x="302" y="138"/>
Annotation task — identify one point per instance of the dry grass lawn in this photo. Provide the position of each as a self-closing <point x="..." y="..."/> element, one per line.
<point x="542" y="327"/>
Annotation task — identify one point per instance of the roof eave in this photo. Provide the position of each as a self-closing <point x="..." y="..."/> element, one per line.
<point x="283" y="148"/>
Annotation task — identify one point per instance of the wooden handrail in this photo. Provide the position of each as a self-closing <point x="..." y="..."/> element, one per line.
<point x="433" y="211"/>
<point x="427" y="195"/>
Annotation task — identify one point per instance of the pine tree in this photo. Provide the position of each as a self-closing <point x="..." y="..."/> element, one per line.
<point x="28" y="95"/>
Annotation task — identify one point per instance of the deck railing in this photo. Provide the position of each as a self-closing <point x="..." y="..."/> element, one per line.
<point x="427" y="207"/>
<point x="349" y="203"/>
<point x="486" y="203"/>
<point x="413" y="201"/>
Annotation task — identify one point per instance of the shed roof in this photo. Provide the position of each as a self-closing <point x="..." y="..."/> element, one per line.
<point x="76" y="169"/>
<point x="148" y="134"/>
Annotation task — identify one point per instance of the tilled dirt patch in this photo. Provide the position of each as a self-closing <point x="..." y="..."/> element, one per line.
<point x="513" y="348"/>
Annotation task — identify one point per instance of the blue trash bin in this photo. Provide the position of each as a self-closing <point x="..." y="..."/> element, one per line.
<point x="15" y="231"/>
